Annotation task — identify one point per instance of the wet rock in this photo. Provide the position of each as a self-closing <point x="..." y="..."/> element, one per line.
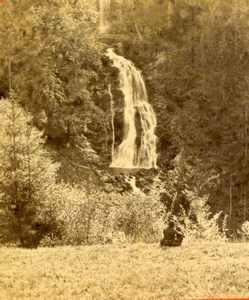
<point x="104" y="101"/>
<point x="108" y="179"/>
<point x="109" y="188"/>
<point x="146" y="190"/>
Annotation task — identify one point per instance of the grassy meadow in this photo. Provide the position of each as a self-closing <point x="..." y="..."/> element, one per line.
<point x="126" y="271"/>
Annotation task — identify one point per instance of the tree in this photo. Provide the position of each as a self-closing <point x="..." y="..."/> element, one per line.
<point x="55" y="58"/>
<point x="27" y="174"/>
<point x="210" y="119"/>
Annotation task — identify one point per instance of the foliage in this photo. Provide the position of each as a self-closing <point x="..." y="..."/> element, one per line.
<point x="194" y="56"/>
<point x="204" y="226"/>
<point x="140" y="217"/>
<point x="189" y="206"/>
<point x="244" y="231"/>
<point x="52" y="57"/>
<point x="82" y="219"/>
<point x="27" y="174"/>
<point x="211" y="115"/>
<point x="102" y="218"/>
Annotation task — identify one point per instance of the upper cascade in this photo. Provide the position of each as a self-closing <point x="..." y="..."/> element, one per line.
<point x="104" y="12"/>
<point x="138" y="147"/>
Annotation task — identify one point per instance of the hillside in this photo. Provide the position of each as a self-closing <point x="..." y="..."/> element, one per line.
<point x="108" y="102"/>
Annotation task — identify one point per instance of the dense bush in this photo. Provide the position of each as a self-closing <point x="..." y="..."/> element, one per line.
<point x="200" y="223"/>
<point x="99" y="218"/>
<point x="106" y="218"/>
<point x="140" y="217"/>
<point x="82" y="219"/>
<point x="243" y="232"/>
<point x="189" y="205"/>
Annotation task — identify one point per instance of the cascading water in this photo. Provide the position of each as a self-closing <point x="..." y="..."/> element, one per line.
<point x="135" y="150"/>
<point x="112" y="120"/>
<point x="131" y="180"/>
<point x="104" y="10"/>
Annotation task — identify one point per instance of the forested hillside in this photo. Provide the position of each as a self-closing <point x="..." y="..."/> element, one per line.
<point x="195" y="57"/>
<point x="56" y="136"/>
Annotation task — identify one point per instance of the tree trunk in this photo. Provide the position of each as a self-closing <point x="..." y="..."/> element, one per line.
<point x="230" y="198"/>
<point x="246" y="159"/>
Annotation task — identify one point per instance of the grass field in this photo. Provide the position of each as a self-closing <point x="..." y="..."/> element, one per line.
<point x="125" y="271"/>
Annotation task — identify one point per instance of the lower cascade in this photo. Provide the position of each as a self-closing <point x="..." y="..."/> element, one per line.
<point x="138" y="146"/>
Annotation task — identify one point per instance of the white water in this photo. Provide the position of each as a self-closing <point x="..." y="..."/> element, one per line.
<point x="130" y="154"/>
<point x="112" y="120"/>
<point x="104" y="11"/>
<point x="131" y="180"/>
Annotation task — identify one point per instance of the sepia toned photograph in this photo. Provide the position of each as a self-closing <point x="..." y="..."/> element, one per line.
<point x="124" y="149"/>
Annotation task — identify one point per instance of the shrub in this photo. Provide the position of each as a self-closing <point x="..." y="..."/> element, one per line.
<point x="199" y="223"/>
<point x="244" y="231"/>
<point x="140" y="217"/>
<point x="105" y="218"/>
<point x="81" y="218"/>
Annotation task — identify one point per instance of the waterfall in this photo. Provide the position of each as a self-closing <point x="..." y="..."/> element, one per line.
<point x="112" y="120"/>
<point x="138" y="147"/>
<point x="104" y="11"/>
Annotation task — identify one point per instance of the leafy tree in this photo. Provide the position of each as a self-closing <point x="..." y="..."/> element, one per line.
<point x="52" y="50"/>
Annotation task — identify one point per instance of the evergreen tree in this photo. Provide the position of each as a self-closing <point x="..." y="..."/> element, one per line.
<point x="27" y="175"/>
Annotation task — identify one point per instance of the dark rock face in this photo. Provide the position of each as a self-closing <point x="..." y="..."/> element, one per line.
<point x="103" y="100"/>
<point x="117" y="97"/>
<point x="119" y="126"/>
<point x="57" y="130"/>
<point x="139" y="128"/>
